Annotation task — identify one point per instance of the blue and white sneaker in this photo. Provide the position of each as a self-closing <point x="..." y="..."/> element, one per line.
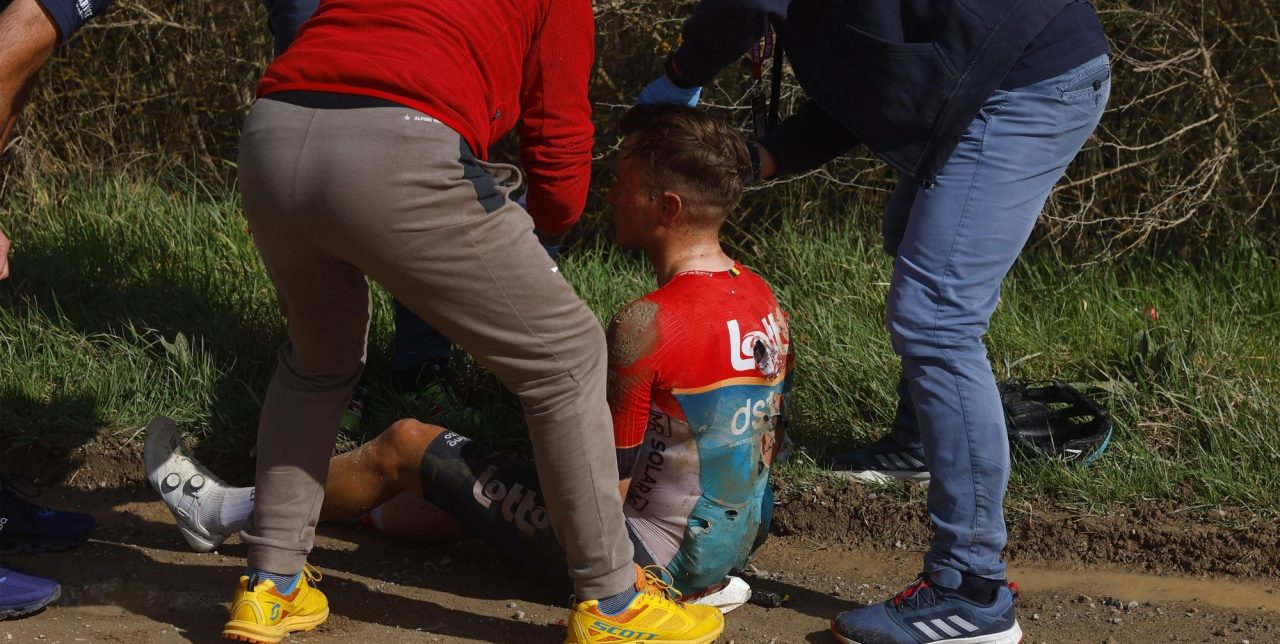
<point x="881" y="462"/>
<point x="23" y="594"/>
<point x="925" y="614"/>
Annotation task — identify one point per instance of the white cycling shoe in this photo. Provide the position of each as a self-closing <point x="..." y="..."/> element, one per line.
<point x="183" y="483"/>
<point x="733" y="594"/>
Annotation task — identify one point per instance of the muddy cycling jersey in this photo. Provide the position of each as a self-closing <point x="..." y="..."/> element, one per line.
<point x="699" y="387"/>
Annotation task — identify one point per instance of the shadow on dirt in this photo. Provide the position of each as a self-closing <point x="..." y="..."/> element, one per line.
<point x="115" y="573"/>
<point x="802" y="599"/>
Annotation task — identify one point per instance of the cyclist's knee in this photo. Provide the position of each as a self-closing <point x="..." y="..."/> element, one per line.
<point x="402" y="445"/>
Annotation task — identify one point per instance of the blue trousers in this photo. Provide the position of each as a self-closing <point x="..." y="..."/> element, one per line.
<point x="953" y="244"/>
<point x="284" y="17"/>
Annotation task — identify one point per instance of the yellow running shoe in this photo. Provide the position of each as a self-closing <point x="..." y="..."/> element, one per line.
<point x="653" y="616"/>
<point x="263" y="615"/>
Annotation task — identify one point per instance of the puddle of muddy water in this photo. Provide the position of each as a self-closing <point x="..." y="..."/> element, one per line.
<point x="1152" y="588"/>
<point x="789" y="556"/>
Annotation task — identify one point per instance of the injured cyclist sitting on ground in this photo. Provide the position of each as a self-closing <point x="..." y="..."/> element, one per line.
<point x="699" y="382"/>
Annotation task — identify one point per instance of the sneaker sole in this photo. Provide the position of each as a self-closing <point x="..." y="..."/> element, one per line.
<point x="34" y="607"/>
<point x="705" y="639"/>
<point x="250" y="632"/>
<point x="880" y="477"/>
<point x="1011" y="636"/>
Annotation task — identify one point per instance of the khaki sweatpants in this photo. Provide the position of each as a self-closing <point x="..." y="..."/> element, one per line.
<point x="335" y="195"/>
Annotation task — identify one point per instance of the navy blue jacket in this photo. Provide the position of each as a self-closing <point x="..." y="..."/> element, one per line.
<point x="904" y="77"/>
<point x="70" y="15"/>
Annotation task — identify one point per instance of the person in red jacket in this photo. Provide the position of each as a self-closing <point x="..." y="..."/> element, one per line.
<point x="366" y="157"/>
<point x="698" y="422"/>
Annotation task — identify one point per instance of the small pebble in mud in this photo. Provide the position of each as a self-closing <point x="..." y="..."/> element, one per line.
<point x="519" y="614"/>
<point x="512" y="605"/>
<point x="1131" y="606"/>
<point x="1116" y="620"/>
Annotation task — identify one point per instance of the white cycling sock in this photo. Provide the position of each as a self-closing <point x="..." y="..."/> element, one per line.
<point x="236" y="506"/>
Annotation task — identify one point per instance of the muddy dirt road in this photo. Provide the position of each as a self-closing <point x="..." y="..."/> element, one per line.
<point x="136" y="582"/>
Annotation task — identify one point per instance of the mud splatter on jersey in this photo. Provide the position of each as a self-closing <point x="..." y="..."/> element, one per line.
<point x="699" y="417"/>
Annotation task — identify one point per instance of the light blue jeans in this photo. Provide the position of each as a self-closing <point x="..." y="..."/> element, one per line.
<point x="953" y="243"/>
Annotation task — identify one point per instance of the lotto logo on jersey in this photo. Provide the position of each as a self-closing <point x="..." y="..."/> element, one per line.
<point x="519" y="505"/>
<point x="757" y="350"/>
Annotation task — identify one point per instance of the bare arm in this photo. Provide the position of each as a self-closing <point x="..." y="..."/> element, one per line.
<point x="27" y="39"/>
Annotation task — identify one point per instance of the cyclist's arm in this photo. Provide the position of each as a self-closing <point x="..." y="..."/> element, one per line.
<point x="632" y="336"/>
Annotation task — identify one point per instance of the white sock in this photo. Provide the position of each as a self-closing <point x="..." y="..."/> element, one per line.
<point x="236" y="506"/>
<point x="225" y="510"/>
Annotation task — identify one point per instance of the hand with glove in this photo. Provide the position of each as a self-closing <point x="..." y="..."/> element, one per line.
<point x="664" y="91"/>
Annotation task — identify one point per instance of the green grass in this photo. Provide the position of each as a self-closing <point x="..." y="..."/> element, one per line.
<point x="127" y="301"/>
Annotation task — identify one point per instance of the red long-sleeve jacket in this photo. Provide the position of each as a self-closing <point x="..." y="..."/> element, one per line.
<point x="479" y="66"/>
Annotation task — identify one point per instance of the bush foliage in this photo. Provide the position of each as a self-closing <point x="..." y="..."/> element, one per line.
<point x="1188" y="155"/>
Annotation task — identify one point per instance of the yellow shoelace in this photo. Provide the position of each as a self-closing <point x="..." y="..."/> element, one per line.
<point x="312" y="574"/>
<point x="658" y="580"/>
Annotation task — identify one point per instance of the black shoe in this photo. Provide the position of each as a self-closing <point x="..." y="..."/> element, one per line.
<point x="883" y="461"/>
<point x="27" y="527"/>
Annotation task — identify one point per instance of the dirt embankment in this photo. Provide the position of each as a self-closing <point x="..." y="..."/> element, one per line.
<point x="1154" y="537"/>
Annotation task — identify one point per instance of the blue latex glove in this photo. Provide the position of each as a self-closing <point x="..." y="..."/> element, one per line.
<point x="662" y="92"/>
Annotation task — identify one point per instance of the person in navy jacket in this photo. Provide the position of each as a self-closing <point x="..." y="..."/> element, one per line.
<point x="980" y="105"/>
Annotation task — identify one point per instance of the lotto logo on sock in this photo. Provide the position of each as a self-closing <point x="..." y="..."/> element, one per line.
<point x="520" y="504"/>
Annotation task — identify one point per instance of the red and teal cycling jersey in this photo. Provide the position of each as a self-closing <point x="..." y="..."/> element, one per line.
<point x="700" y="374"/>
